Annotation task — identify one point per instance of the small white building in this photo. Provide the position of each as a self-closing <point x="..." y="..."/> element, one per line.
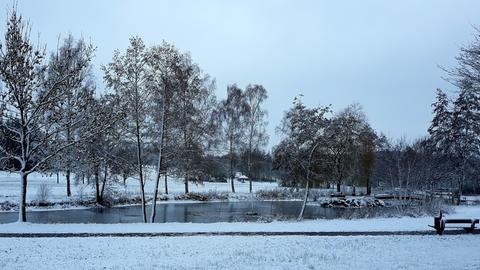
<point x="240" y="177"/>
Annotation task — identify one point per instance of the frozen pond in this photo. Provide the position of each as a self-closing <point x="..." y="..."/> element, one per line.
<point x="208" y="212"/>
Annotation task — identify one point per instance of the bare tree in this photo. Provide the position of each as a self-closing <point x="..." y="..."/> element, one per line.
<point x="73" y="57"/>
<point x="128" y="75"/>
<point x="255" y="95"/>
<point x="163" y="61"/>
<point x="194" y="107"/>
<point x="233" y="111"/>
<point x="97" y="154"/>
<point x="343" y="138"/>
<point x="300" y="152"/>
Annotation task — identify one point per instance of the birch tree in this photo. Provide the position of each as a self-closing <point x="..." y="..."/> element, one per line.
<point x="164" y="61"/>
<point x="73" y="57"/>
<point x="97" y="154"/>
<point x="255" y="95"/>
<point x="129" y="76"/>
<point x="233" y="111"/>
<point x="194" y="107"/>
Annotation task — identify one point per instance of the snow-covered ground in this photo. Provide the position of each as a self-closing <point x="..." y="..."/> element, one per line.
<point x="244" y="252"/>
<point x="319" y="225"/>
<point x="240" y="252"/>
<point x="10" y="187"/>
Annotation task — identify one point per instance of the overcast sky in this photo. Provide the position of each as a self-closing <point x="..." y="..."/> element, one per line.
<point x="382" y="54"/>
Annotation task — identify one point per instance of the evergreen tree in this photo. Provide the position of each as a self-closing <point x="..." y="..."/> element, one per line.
<point x="465" y="131"/>
<point x="440" y="127"/>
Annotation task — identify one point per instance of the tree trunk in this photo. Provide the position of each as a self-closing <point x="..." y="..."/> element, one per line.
<point x="154" y="201"/>
<point x="231" y="166"/>
<point x="462" y="180"/>
<point x="157" y="182"/>
<point x="159" y="166"/>
<point x="185" y="181"/>
<point x="67" y="176"/>
<point x="233" y="185"/>
<point x="369" y="188"/>
<point x="68" y="163"/>
<point x="305" y="199"/>
<point x="58" y="178"/>
<point x="307" y="184"/>
<point x="249" y="163"/>
<point x="338" y="186"/>
<point x="460" y="188"/>
<point x="22" y="206"/>
<point x="354" y="192"/>
<point x="98" y="199"/>
<point x="166" y="183"/>
<point x="104" y="182"/>
<point x="140" y="170"/>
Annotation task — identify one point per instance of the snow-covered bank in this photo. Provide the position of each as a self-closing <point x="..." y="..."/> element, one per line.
<point x="83" y="194"/>
<point x="238" y="252"/>
<point x="336" y="225"/>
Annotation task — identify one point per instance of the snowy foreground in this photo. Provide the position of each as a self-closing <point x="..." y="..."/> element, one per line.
<point x="244" y="252"/>
<point x="239" y="252"/>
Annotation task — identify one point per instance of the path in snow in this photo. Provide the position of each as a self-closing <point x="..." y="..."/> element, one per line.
<point x="260" y="233"/>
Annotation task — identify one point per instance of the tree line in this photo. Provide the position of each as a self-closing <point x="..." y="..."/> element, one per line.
<point x="321" y="148"/>
<point x="158" y="110"/>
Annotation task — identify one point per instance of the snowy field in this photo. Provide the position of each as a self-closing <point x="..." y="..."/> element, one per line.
<point x="240" y="252"/>
<point x="10" y="187"/>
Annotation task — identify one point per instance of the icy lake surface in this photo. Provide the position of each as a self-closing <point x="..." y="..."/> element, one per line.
<point x="208" y="212"/>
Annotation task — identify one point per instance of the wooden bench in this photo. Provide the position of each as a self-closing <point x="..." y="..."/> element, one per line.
<point x="439" y="224"/>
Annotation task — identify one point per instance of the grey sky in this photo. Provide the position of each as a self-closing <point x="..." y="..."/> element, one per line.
<point x="382" y="54"/>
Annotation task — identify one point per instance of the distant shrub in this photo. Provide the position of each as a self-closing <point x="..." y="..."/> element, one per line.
<point x="203" y="197"/>
<point x="81" y="191"/>
<point x="216" y="195"/>
<point x="290" y="193"/>
<point x="420" y="208"/>
<point x="273" y="194"/>
<point x="43" y="193"/>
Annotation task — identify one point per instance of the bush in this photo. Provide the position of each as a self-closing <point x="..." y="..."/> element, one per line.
<point x="43" y="193"/>
<point x="81" y="191"/>
<point x="273" y="194"/>
<point x="203" y="197"/>
<point x="215" y="195"/>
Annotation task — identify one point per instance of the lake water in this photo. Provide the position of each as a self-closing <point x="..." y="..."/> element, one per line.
<point x="208" y="212"/>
